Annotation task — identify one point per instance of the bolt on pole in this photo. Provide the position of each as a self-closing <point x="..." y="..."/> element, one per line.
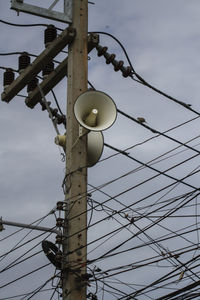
<point x="75" y="232"/>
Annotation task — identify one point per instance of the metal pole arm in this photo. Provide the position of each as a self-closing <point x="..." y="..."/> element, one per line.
<point x="28" y="226"/>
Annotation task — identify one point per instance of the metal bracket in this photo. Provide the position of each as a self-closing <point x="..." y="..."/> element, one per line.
<point x="48" y="13"/>
<point x="83" y="131"/>
<point x="28" y="226"/>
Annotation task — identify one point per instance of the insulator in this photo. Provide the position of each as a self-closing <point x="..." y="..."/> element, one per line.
<point x="118" y="65"/>
<point x="109" y="57"/>
<point x="59" y="222"/>
<point x="48" y="69"/>
<point x="50" y="34"/>
<point x="8" y="77"/>
<point x="54" y="111"/>
<point x="126" y="71"/>
<point x="92" y="296"/>
<point x="59" y="239"/>
<point x="32" y="85"/>
<point x="60" y="205"/>
<point x="23" y="61"/>
<point x="44" y="106"/>
<point x="101" y="50"/>
<point x="61" y="119"/>
<point x="64" y="121"/>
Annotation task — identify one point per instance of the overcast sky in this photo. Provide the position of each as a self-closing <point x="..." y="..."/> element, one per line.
<point x="163" y="43"/>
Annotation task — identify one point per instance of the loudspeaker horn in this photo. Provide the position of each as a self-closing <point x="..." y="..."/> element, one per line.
<point x="95" y="110"/>
<point x="60" y="140"/>
<point x="94" y="146"/>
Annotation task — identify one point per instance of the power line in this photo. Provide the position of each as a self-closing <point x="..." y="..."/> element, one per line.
<point x="27" y="25"/>
<point x="25" y="275"/>
<point x="143" y="81"/>
<point x="26" y="294"/>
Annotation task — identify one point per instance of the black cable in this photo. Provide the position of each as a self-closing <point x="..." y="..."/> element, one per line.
<point x="25" y="275"/>
<point x="91" y="214"/>
<point x="56" y="101"/>
<point x="119" y="194"/>
<point x="21" y="295"/>
<point x="181" y="180"/>
<point x="22" y="25"/>
<point x="16" y="261"/>
<point x="124" y="227"/>
<point x="39" y="289"/>
<point x="16" y="53"/>
<point x="162" y="239"/>
<point x="115" y="289"/>
<point x="36" y="221"/>
<point x="143" y="81"/>
<point x="180" y="291"/>
<point x="108" y="253"/>
<point x="21" y="261"/>
<point x="143" y="215"/>
<point x="139" y="168"/>
<point x="164" y="277"/>
<point x="129" y="249"/>
<point x="156" y="131"/>
<point x="156" y="170"/>
<point x="15" y="247"/>
<point x="27" y="25"/>
<point x="24" y="243"/>
<point x="144" y="262"/>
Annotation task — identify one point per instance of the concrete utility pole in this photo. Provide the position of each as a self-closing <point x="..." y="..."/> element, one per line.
<point x="74" y="266"/>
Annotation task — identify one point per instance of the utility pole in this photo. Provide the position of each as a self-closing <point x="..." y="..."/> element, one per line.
<point x="74" y="265"/>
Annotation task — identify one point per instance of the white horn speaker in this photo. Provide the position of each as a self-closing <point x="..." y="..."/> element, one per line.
<point x="95" y="144"/>
<point x="95" y="110"/>
<point x="95" y="147"/>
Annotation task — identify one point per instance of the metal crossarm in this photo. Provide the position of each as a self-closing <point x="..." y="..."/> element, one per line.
<point x="65" y="17"/>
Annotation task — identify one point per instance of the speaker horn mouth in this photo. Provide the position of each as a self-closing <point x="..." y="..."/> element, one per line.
<point x="95" y="143"/>
<point x="95" y="147"/>
<point x="95" y="110"/>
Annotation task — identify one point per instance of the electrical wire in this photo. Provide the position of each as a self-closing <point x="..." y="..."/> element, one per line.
<point x="111" y="198"/>
<point x="108" y="253"/>
<point x="142" y="80"/>
<point x="143" y="181"/>
<point x="25" y="275"/>
<point x="118" y="213"/>
<point x="17" y="262"/>
<point x="27" y="294"/>
<point x="76" y="249"/>
<point x="56" y="101"/>
<point x="27" y="25"/>
<point x="39" y="289"/>
<point x="10" y="251"/>
<point x="36" y="221"/>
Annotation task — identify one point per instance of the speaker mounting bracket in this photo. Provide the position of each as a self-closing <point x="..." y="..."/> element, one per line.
<point x="83" y="131"/>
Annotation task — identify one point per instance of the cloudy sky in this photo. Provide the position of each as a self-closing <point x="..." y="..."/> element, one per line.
<point x="162" y="41"/>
